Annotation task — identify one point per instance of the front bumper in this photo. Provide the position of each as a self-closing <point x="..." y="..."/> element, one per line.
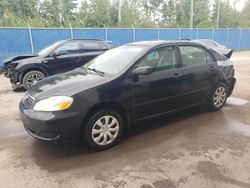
<point x="52" y="126"/>
<point x="5" y="72"/>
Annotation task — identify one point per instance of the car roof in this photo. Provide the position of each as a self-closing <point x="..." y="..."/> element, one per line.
<point x="108" y="44"/>
<point x="155" y="43"/>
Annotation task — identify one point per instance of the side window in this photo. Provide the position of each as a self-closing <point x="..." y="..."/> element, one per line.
<point x="162" y="58"/>
<point x="192" y="56"/>
<point x="91" y="46"/>
<point x="68" y="48"/>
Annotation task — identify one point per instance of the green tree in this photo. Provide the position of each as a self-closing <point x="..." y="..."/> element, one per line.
<point x="229" y="16"/>
<point x="169" y="13"/>
<point x="130" y="16"/>
<point x="58" y="12"/>
<point x="99" y="14"/>
<point x="201" y="14"/>
<point x="245" y="21"/>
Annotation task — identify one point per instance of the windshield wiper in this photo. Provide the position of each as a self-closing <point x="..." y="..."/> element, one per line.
<point x="97" y="71"/>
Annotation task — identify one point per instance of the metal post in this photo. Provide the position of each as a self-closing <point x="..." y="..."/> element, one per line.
<point x="158" y="33"/>
<point x="239" y="38"/>
<point x="179" y="33"/>
<point x="71" y="32"/>
<point x="134" y="38"/>
<point x="197" y="32"/>
<point x="106" y="34"/>
<point x="213" y="34"/>
<point x="227" y="36"/>
<point x="31" y="40"/>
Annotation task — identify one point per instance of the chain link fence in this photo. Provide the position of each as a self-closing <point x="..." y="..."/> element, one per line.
<point x="15" y="41"/>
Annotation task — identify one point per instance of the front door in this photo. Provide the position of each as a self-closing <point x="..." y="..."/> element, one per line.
<point x="67" y="58"/>
<point x="158" y="92"/>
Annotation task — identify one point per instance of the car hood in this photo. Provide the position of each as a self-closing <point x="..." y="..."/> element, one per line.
<point x="66" y="84"/>
<point x="18" y="58"/>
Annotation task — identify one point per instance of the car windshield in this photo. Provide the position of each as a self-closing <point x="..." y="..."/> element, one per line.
<point x="48" y="50"/>
<point x="114" y="60"/>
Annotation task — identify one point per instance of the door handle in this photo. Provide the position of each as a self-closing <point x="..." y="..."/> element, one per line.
<point x="77" y="59"/>
<point x="176" y="75"/>
<point x="211" y="68"/>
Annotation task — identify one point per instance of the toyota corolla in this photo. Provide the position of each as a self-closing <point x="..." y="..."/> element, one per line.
<point x="127" y="84"/>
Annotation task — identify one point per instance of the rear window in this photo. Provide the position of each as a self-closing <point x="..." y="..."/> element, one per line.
<point x="91" y="46"/>
<point x="192" y="56"/>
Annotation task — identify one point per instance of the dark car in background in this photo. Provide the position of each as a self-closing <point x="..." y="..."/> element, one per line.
<point x="62" y="56"/>
<point x="127" y="84"/>
<point x="216" y="46"/>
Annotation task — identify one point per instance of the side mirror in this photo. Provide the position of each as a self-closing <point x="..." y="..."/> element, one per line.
<point x="146" y="70"/>
<point x="56" y="54"/>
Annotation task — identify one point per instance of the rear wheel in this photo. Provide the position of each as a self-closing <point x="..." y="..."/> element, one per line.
<point x="31" y="78"/>
<point x="218" y="97"/>
<point x="103" y="129"/>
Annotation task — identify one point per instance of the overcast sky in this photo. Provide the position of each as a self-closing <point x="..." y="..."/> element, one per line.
<point x="239" y="4"/>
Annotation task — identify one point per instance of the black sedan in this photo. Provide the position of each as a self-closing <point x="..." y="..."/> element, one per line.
<point x="130" y="83"/>
<point x="62" y="56"/>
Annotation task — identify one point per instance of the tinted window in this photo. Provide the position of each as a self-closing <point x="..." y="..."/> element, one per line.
<point x="68" y="48"/>
<point x="91" y="46"/>
<point x="192" y="56"/>
<point x="162" y="58"/>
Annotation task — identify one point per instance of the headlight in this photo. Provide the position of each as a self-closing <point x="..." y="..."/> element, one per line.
<point x="56" y="103"/>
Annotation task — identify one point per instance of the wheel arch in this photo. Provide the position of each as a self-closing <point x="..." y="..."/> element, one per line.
<point x="224" y="82"/>
<point x="108" y="105"/>
<point x="42" y="70"/>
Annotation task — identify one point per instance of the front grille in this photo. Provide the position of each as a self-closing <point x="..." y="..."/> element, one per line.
<point x="28" y="101"/>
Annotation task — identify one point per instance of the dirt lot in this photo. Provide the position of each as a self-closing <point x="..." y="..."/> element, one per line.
<point x="194" y="148"/>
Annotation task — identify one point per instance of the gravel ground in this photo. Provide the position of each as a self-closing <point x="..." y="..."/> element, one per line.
<point x="193" y="148"/>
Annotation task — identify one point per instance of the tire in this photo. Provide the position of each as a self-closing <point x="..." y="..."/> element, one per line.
<point x="97" y="133"/>
<point x="218" y="97"/>
<point x="31" y="78"/>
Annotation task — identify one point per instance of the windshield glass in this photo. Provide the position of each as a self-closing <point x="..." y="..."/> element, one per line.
<point x="48" y="50"/>
<point x="115" y="60"/>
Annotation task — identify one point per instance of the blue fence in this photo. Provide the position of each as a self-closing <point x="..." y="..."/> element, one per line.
<point x="14" y="41"/>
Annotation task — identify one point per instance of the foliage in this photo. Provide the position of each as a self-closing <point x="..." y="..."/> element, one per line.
<point x="134" y="13"/>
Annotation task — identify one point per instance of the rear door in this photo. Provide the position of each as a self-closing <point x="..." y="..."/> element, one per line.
<point x="158" y="92"/>
<point x="198" y="74"/>
<point x="89" y="50"/>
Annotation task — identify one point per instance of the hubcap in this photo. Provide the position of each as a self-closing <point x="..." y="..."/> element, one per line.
<point x="105" y="130"/>
<point x="33" y="79"/>
<point x="219" y="97"/>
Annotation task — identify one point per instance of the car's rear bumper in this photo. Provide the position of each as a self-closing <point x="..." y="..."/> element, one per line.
<point x="231" y="84"/>
<point x="51" y="127"/>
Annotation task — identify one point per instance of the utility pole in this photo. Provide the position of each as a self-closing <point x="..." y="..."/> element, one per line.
<point x="191" y="13"/>
<point x="218" y="15"/>
<point x="119" y="11"/>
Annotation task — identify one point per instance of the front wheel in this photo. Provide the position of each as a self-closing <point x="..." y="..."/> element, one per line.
<point x="31" y="78"/>
<point x="103" y="129"/>
<point x="218" y="97"/>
